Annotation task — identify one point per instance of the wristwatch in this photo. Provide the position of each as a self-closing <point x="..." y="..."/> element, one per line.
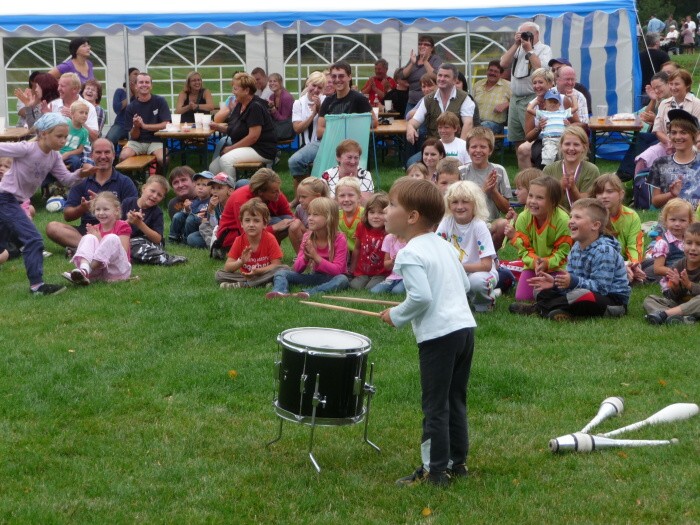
<point x="528" y="55"/>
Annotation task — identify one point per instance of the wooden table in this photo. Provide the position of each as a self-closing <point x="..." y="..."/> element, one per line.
<point x="627" y="128"/>
<point x="13" y="134"/>
<point x="398" y="127"/>
<point x="195" y="135"/>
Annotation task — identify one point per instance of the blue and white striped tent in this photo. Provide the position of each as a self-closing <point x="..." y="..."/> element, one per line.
<point x="597" y="36"/>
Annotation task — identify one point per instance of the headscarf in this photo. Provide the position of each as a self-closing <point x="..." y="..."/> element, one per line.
<point x="50" y="120"/>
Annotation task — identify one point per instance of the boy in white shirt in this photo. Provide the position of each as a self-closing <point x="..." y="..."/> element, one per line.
<point x="436" y="304"/>
<point x="448" y="126"/>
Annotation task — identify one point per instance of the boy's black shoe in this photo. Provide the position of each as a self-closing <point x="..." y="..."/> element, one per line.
<point x="420" y="476"/>
<point x="522" y="308"/>
<point x="559" y="315"/>
<point x="655" y="318"/>
<point x="49" y="289"/>
<point x="458" y="471"/>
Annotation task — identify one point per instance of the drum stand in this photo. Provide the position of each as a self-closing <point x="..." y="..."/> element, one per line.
<point x="316" y="400"/>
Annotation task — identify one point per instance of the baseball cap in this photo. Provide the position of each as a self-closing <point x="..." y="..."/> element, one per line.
<point x="203" y="175"/>
<point x="552" y="95"/>
<point x="559" y="61"/>
<point x="223" y="179"/>
<point x="681" y="114"/>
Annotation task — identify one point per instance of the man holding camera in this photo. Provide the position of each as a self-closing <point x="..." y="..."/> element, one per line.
<point x="522" y="58"/>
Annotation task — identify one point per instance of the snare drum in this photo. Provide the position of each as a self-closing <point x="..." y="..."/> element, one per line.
<point x="339" y="358"/>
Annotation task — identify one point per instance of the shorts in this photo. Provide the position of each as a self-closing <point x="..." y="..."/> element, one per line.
<point x="144" y="148"/>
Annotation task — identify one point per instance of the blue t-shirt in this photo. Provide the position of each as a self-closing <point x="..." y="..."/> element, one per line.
<point x="153" y="111"/>
<point x="121" y="185"/>
<point x="152" y="217"/>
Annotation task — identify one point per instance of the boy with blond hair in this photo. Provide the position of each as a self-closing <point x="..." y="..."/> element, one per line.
<point x="595" y="283"/>
<point x="78" y="136"/>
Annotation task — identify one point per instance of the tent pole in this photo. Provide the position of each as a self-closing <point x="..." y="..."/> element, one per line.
<point x="299" y="57"/>
<point x="125" y="32"/>
<point x="267" y="67"/>
<point x="400" y="43"/>
<point x="468" y="58"/>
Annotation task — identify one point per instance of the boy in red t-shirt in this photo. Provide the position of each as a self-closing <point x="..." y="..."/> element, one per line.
<point x="254" y="256"/>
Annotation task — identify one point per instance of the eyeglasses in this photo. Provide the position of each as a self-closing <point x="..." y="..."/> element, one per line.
<point x="425" y="44"/>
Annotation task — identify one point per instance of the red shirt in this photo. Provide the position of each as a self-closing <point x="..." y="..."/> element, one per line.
<point x="230" y="226"/>
<point x="268" y="250"/>
<point x="379" y="84"/>
<point x="371" y="259"/>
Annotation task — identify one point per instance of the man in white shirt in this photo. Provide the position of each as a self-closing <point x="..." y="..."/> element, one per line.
<point x="566" y="80"/>
<point x="263" y="91"/>
<point x="69" y="92"/>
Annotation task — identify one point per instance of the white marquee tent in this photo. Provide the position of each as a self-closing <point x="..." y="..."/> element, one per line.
<point x="597" y="36"/>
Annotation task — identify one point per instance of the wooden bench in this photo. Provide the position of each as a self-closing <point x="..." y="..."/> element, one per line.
<point x="137" y="163"/>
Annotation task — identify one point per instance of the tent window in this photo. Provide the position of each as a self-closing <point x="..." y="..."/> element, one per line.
<point x="216" y="58"/>
<point x="319" y="51"/>
<point x="24" y="55"/>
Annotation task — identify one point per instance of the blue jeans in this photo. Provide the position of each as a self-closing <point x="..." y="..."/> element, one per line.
<point x="14" y="220"/>
<point x="390" y="286"/>
<point x="115" y="134"/>
<point x="493" y="126"/>
<point x="196" y="240"/>
<point x="177" y="226"/>
<point x="192" y="224"/>
<point x="318" y="282"/>
<point x="301" y="160"/>
<point x="74" y="162"/>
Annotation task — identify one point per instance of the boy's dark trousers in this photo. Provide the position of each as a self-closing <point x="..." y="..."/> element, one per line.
<point x="578" y="302"/>
<point x="445" y="364"/>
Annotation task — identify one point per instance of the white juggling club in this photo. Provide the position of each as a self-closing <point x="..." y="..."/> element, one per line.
<point x="579" y="442"/>
<point x="670" y="414"/>
<point x="611" y="406"/>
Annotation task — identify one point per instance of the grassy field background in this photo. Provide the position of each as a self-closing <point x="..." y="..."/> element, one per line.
<point x="150" y="401"/>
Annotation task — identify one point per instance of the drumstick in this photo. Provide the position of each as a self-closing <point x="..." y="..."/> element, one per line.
<point x="341" y="308"/>
<point x="360" y="300"/>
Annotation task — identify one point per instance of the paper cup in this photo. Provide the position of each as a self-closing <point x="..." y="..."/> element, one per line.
<point x="198" y="120"/>
<point x="206" y="120"/>
<point x="375" y="110"/>
<point x="387" y="105"/>
<point x="175" y="119"/>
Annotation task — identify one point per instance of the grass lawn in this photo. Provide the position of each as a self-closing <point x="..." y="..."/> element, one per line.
<point x="118" y="404"/>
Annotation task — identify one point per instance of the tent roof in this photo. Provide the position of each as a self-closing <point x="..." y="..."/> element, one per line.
<point x="136" y="13"/>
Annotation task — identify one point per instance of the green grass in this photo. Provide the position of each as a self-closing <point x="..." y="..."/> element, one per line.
<point x="116" y="406"/>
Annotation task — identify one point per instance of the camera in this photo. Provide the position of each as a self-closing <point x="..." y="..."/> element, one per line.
<point x="527" y="35"/>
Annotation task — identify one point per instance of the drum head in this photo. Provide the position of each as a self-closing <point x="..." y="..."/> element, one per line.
<point x="324" y="339"/>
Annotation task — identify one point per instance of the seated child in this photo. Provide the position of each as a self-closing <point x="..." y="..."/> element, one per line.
<point x="222" y="187"/>
<point x="348" y="155"/>
<point x="367" y="261"/>
<point x="676" y="216"/>
<point x="554" y="126"/>
<point x="432" y="152"/>
<point x="146" y="220"/>
<point x="348" y="196"/>
<point x="448" y="126"/>
<point x="417" y="170"/>
<point x="595" y="283"/>
<point x="393" y="282"/>
<point x="680" y="303"/>
<point x="491" y="178"/>
<point x="104" y="251"/>
<point x="323" y="251"/>
<point x="447" y="174"/>
<point x="625" y="224"/>
<point x="541" y="236"/>
<point x="186" y="221"/>
<point x="465" y="228"/>
<point x="307" y="190"/>
<point x="78" y="137"/>
<point x="256" y="255"/>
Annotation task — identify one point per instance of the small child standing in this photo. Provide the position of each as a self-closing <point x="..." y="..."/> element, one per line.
<point x="541" y="236"/>
<point x="307" y="190"/>
<point x="595" y="283"/>
<point x="146" y="219"/>
<point x="437" y="307"/>
<point x="32" y="161"/>
<point x="256" y="255"/>
<point x="391" y="245"/>
<point x="186" y="221"/>
<point x="323" y="251"/>
<point x="104" y="251"/>
<point x="367" y="261"/>
<point x="465" y="228"/>
<point x="78" y="137"/>
<point x="448" y="126"/>
<point x="554" y="126"/>
<point x="680" y="303"/>
<point x="676" y="216"/>
<point x="348" y="195"/>
<point x="418" y="170"/>
<point x="447" y="174"/>
<point x="624" y="223"/>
